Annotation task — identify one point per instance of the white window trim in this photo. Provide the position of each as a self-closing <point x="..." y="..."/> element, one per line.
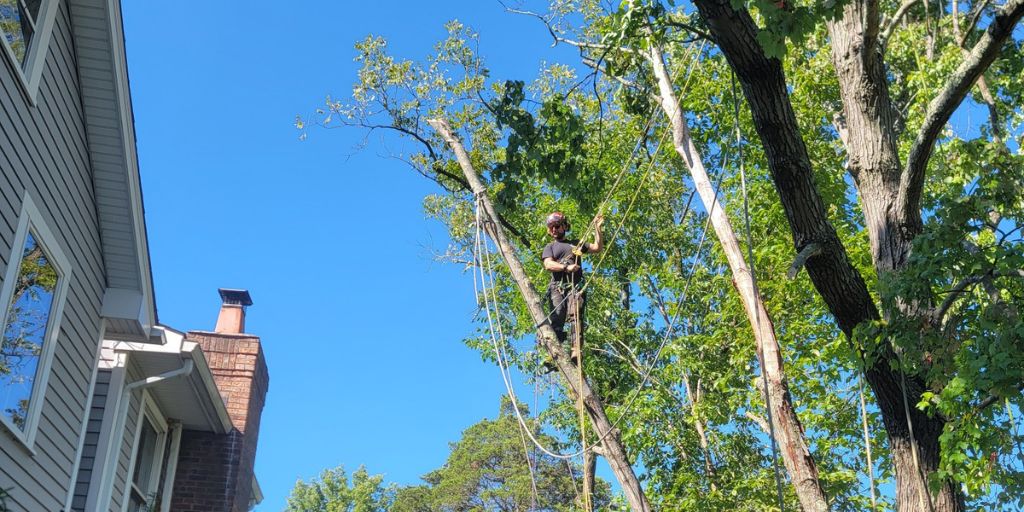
<point x="31" y="218"/>
<point x="35" y="61"/>
<point x="148" y="410"/>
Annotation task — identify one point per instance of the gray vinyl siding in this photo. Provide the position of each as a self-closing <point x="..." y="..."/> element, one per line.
<point x="43" y="150"/>
<point x="100" y="399"/>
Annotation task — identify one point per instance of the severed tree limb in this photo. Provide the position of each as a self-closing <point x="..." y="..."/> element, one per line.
<point x="811" y="249"/>
<point x="613" y="449"/>
<point x="946" y="102"/>
<point x="560" y="39"/>
<point x="759" y="421"/>
<point x="789" y="433"/>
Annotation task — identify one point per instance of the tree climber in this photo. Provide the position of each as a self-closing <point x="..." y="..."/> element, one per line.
<point x="562" y="259"/>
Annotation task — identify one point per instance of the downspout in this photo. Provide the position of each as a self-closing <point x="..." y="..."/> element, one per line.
<point x="107" y="488"/>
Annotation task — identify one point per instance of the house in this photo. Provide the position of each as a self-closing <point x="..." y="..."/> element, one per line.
<point x="181" y="412"/>
<point x="101" y="407"/>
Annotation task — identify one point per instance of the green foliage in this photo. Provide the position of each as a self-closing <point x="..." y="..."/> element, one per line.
<point x="333" y="492"/>
<point x="562" y="142"/>
<point x="489" y="468"/>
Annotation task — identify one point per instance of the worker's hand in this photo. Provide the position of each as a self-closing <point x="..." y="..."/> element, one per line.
<point x="572" y="267"/>
<point x="599" y="221"/>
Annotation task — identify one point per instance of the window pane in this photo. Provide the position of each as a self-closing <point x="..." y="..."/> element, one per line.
<point x="144" y="456"/>
<point x="25" y="330"/>
<point x="18" y="23"/>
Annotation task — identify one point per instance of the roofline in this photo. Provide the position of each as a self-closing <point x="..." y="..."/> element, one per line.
<point x="175" y="344"/>
<point x="124" y="96"/>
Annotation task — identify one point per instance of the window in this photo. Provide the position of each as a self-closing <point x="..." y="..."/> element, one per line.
<point x="33" y="297"/>
<point x="147" y="459"/>
<point x="18" y="20"/>
<point x="25" y="27"/>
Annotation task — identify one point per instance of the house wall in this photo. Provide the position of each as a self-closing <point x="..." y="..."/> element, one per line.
<point x="43" y="150"/>
<point x="100" y="400"/>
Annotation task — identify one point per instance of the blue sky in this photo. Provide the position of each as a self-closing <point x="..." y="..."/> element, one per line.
<point x="362" y="330"/>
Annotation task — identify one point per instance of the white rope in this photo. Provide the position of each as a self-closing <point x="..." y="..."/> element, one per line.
<point x="757" y="293"/>
<point x="496" y="333"/>
<point x="486" y="270"/>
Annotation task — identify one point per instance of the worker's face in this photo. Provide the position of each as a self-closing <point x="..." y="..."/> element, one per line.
<point x="557" y="230"/>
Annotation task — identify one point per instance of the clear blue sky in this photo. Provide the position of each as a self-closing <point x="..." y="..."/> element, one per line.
<point x="362" y="330"/>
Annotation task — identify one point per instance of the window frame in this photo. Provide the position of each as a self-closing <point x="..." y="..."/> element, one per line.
<point x="148" y="411"/>
<point x="29" y="74"/>
<point x="30" y="218"/>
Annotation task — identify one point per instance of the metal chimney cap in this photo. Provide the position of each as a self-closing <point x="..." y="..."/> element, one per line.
<point x="238" y="297"/>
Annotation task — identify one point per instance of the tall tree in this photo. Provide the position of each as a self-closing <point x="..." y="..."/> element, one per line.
<point x="931" y="322"/>
<point x="491" y="468"/>
<point x="333" y="491"/>
<point x="911" y="317"/>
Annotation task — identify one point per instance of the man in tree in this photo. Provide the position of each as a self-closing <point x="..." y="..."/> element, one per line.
<point x="562" y="258"/>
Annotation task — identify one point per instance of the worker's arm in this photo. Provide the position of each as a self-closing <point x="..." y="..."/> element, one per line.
<point x="553" y="266"/>
<point x="597" y="245"/>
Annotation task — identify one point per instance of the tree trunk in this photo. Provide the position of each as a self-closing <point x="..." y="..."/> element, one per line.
<point x="876" y="168"/>
<point x="611" y="441"/>
<point x="589" y="474"/>
<point x="790" y="436"/>
<point x="874" y="161"/>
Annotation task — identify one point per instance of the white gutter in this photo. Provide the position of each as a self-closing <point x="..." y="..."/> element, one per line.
<point x="156" y="379"/>
<point x="107" y="488"/>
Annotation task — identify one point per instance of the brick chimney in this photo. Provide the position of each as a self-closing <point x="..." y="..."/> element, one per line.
<point x="232" y="311"/>
<point x="215" y="471"/>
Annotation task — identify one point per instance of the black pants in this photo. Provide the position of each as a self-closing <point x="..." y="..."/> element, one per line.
<point x="563" y="300"/>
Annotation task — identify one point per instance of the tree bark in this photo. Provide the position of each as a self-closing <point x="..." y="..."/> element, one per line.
<point x="589" y="475"/>
<point x="788" y="432"/>
<point x="883" y="185"/>
<point x="611" y="441"/>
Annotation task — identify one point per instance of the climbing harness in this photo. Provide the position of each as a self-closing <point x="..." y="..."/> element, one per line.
<point x="486" y="274"/>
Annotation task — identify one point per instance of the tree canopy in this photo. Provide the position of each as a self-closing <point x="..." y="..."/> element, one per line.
<point x="491" y="467"/>
<point x="825" y="126"/>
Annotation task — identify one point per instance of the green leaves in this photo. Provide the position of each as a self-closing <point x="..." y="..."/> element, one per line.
<point x="333" y="492"/>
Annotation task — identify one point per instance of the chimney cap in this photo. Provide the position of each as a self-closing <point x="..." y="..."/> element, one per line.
<point x="237" y="297"/>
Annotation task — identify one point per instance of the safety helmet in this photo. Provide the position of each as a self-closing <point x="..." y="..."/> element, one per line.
<point x="557" y="218"/>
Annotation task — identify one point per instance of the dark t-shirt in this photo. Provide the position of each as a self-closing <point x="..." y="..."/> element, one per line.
<point x="561" y="252"/>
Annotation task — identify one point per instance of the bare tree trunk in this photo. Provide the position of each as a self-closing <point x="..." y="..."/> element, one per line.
<point x="611" y="441"/>
<point x="788" y="432"/>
